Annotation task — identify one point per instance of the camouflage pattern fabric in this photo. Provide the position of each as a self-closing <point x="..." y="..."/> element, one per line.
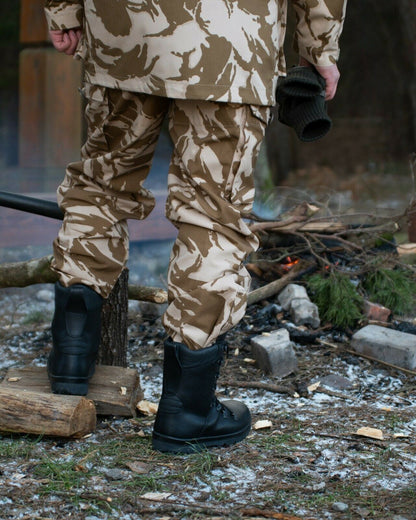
<point x="221" y="50"/>
<point x="210" y="190"/>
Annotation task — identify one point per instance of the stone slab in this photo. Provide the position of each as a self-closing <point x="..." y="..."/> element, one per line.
<point x="274" y="353"/>
<point x="384" y="344"/>
<point x="304" y="312"/>
<point x="290" y="293"/>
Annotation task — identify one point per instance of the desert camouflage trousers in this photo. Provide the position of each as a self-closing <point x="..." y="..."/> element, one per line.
<point x="210" y="191"/>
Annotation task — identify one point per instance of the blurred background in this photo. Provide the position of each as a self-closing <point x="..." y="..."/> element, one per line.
<point x="363" y="163"/>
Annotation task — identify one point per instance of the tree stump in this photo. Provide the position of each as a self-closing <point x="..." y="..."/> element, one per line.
<point x="113" y="347"/>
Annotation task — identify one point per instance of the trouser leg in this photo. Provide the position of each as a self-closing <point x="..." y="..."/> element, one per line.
<point x="104" y="188"/>
<point x="211" y="190"/>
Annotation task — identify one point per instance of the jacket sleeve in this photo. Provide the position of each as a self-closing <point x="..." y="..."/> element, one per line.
<point x="318" y="28"/>
<point x="64" y="14"/>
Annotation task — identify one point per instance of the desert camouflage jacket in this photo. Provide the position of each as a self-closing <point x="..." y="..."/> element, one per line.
<point x="222" y="50"/>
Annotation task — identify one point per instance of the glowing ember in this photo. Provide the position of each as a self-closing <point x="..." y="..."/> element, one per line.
<point x="289" y="262"/>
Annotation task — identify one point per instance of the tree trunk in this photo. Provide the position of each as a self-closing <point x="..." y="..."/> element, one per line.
<point x="113" y="347"/>
<point x="407" y="9"/>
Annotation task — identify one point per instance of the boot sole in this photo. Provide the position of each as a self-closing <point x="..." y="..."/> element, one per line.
<point x="69" y="388"/>
<point x="168" y="444"/>
<point x="70" y="385"/>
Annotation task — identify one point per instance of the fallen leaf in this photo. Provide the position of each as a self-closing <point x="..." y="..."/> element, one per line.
<point x="146" y="407"/>
<point x="81" y="468"/>
<point x="123" y="390"/>
<point x="262" y="424"/>
<point x="314" y="386"/>
<point x="155" y="496"/>
<point x="373" y="433"/>
<point x="139" y="467"/>
<point x="249" y="361"/>
<point x="14" y="379"/>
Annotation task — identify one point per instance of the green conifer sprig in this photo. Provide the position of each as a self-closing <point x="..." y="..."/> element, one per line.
<point x="393" y="288"/>
<point x="337" y="299"/>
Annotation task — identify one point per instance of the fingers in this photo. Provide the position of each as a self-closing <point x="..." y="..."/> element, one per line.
<point x="330" y="74"/>
<point x="66" y="41"/>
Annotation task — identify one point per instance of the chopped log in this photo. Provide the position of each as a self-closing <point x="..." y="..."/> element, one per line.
<point x="406" y="249"/>
<point x="113" y="390"/>
<point x="23" y="411"/>
<point x="22" y="274"/>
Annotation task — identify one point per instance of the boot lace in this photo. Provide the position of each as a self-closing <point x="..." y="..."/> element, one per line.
<point x="215" y="402"/>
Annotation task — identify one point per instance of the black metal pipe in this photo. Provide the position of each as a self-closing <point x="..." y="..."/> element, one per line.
<point x="46" y="208"/>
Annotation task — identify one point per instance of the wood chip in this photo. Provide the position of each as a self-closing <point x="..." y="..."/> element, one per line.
<point x="261" y="425"/>
<point x="155" y="496"/>
<point x="373" y="433"/>
<point x="139" y="467"/>
<point x="314" y="386"/>
<point x="146" y="407"/>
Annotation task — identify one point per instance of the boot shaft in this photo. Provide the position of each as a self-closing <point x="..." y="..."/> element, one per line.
<point x="77" y="319"/>
<point x="190" y="376"/>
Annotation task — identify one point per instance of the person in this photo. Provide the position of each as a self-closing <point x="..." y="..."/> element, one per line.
<point x="211" y="67"/>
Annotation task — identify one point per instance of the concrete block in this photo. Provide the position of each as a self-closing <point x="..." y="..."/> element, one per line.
<point x="290" y="293"/>
<point x="391" y="346"/>
<point x="304" y="312"/>
<point x="274" y="353"/>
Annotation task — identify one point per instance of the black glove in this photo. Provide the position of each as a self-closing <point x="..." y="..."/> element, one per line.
<point x="301" y="99"/>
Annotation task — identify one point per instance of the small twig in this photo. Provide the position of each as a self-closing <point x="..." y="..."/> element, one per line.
<point x="277" y="389"/>
<point x="360" y="438"/>
<point x="407" y="371"/>
<point x="320" y="259"/>
<point x="346" y="243"/>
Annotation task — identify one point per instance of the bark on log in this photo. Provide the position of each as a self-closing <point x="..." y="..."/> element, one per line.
<point x="46" y="414"/>
<point x="113" y="390"/>
<point x="113" y="346"/>
<point x="22" y="274"/>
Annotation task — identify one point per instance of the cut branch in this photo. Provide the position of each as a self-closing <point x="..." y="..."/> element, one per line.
<point x="276" y="286"/>
<point x="259" y="385"/>
<point x="22" y="274"/>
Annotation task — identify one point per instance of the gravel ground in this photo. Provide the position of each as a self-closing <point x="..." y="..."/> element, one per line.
<point x="308" y="463"/>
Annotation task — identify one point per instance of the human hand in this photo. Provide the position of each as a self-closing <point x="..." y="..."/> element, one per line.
<point x="330" y="74"/>
<point x="66" y="40"/>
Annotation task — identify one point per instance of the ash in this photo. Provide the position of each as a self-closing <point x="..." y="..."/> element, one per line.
<point x="310" y="463"/>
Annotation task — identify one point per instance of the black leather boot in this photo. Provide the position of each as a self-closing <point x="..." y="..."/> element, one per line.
<point x="190" y="417"/>
<point x="76" y="332"/>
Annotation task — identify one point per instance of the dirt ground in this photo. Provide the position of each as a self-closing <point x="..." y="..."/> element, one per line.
<point x="307" y="463"/>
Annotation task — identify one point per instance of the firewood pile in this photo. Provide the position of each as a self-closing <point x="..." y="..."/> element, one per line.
<point x="344" y="261"/>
